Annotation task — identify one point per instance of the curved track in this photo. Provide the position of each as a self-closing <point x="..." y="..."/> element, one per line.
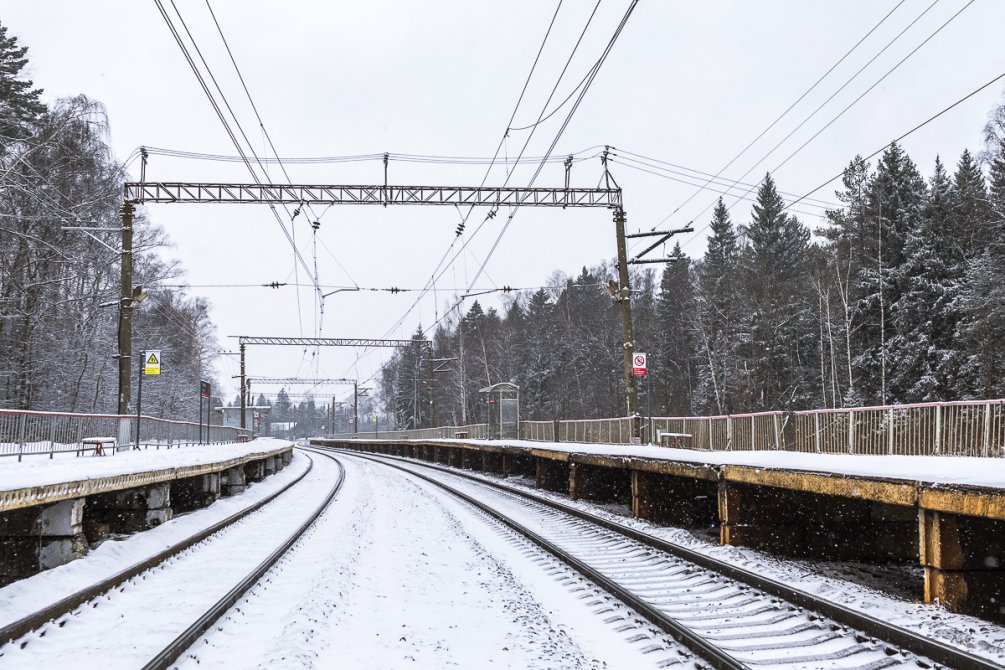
<point x="93" y="594"/>
<point x="727" y="615"/>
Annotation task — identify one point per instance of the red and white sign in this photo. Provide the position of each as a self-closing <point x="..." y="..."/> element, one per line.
<point x="639" y="365"/>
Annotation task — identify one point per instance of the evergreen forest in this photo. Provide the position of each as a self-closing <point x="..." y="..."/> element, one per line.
<point x="898" y="297"/>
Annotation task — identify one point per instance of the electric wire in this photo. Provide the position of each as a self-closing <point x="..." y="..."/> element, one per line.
<point x="903" y="136"/>
<point x="836" y="117"/>
<point x="792" y="106"/>
<point x="219" y="112"/>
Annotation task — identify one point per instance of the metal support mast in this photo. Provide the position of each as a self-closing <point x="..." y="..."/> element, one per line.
<point x="244" y="404"/>
<point x="126" y="310"/>
<point x="624" y="299"/>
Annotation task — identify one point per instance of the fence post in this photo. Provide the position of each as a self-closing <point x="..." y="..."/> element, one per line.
<point x="753" y="426"/>
<point x="52" y="436"/>
<point x="816" y="430"/>
<point x="987" y="430"/>
<point x="778" y="436"/>
<point x="710" y="433"/>
<point x="851" y="432"/>
<point x="892" y="423"/>
<point x="938" y="429"/>
<point x="729" y="433"/>
<point x="20" y="432"/>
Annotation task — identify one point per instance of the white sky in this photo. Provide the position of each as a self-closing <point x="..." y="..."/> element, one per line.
<point x="688" y="83"/>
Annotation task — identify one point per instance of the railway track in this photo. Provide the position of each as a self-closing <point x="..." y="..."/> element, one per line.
<point x="61" y="612"/>
<point x="728" y="616"/>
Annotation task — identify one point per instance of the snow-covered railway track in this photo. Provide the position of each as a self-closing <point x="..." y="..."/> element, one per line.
<point x="160" y="606"/>
<point x="727" y="615"/>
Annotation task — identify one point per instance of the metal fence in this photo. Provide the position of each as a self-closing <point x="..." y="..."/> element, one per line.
<point x="474" y="431"/>
<point x="967" y="428"/>
<point x="25" y="433"/>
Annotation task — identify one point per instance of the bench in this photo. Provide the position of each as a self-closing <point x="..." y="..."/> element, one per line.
<point x="461" y="435"/>
<point x="675" y="440"/>
<point x="97" y="445"/>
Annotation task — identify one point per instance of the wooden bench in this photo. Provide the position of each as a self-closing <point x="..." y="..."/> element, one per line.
<point x="97" y="445"/>
<point x="675" y="440"/>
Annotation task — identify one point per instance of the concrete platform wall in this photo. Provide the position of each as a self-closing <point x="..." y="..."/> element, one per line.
<point x="957" y="536"/>
<point x="39" y="537"/>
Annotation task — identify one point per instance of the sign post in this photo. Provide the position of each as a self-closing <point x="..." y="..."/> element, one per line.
<point x="151" y="365"/>
<point x="204" y="394"/>
<point x="640" y="368"/>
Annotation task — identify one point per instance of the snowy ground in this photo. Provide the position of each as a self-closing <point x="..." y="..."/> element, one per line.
<point x="395" y="574"/>
<point x="399" y="575"/>
<point x="942" y="470"/>
<point x="38" y="471"/>
<point x="112" y="556"/>
<point x="824" y="579"/>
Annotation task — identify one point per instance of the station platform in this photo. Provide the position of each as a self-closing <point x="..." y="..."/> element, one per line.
<point x="52" y="509"/>
<point x="948" y="513"/>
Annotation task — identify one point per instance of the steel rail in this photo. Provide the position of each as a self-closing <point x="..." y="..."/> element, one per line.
<point x="66" y="605"/>
<point x="716" y="657"/>
<point x="906" y="639"/>
<point x="177" y="647"/>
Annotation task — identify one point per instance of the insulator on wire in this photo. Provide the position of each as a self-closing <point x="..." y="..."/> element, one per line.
<point x="315" y="224"/>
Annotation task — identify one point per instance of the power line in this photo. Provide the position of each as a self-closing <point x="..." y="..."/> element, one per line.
<point x="839" y="114"/>
<point x="898" y="139"/>
<point x="464" y="217"/>
<point x="791" y="107"/>
<point x="692" y="173"/>
<point x="362" y="158"/>
<point x="565" y="123"/>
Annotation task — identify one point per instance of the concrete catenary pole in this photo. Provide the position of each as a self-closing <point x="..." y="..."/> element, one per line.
<point x="244" y="399"/>
<point x="624" y="299"/>
<point x="126" y="310"/>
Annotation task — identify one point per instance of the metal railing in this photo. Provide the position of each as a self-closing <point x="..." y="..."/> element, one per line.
<point x="966" y="428"/>
<point x="26" y="433"/>
<point x="475" y="431"/>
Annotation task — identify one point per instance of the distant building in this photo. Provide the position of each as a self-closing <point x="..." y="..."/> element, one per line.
<point x="252" y="416"/>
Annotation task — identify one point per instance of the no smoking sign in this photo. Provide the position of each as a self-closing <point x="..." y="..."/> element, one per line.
<point x="639" y="365"/>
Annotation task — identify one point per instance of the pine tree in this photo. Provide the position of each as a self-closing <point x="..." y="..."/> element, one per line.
<point x="923" y="318"/>
<point x="776" y="282"/>
<point x="716" y="316"/>
<point x="19" y="102"/>
<point x="894" y="198"/>
<point x="674" y="364"/>
<point x="849" y="244"/>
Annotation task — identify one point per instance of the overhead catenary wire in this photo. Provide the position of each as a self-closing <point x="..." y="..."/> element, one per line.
<point x="788" y="109"/>
<point x="592" y="73"/>
<point x="836" y="117"/>
<point x="315" y="219"/>
<point x="578" y="156"/>
<point x="464" y="217"/>
<point x="921" y="125"/>
<point x="219" y="112"/>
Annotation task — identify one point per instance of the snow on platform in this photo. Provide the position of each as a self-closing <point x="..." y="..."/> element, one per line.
<point x="933" y="470"/>
<point x="40" y="480"/>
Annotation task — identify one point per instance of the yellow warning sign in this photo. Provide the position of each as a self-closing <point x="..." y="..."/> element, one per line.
<point x="152" y="362"/>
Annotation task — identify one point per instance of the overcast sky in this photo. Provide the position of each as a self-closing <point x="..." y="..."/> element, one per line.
<point x="688" y="83"/>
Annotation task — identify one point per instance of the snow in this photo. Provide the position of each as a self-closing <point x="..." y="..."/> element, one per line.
<point x="936" y="470"/>
<point x="126" y="627"/>
<point x="975" y="635"/>
<point x="112" y="556"/>
<point x="400" y="575"/>
<point x="393" y="574"/>
<point x="39" y="471"/>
